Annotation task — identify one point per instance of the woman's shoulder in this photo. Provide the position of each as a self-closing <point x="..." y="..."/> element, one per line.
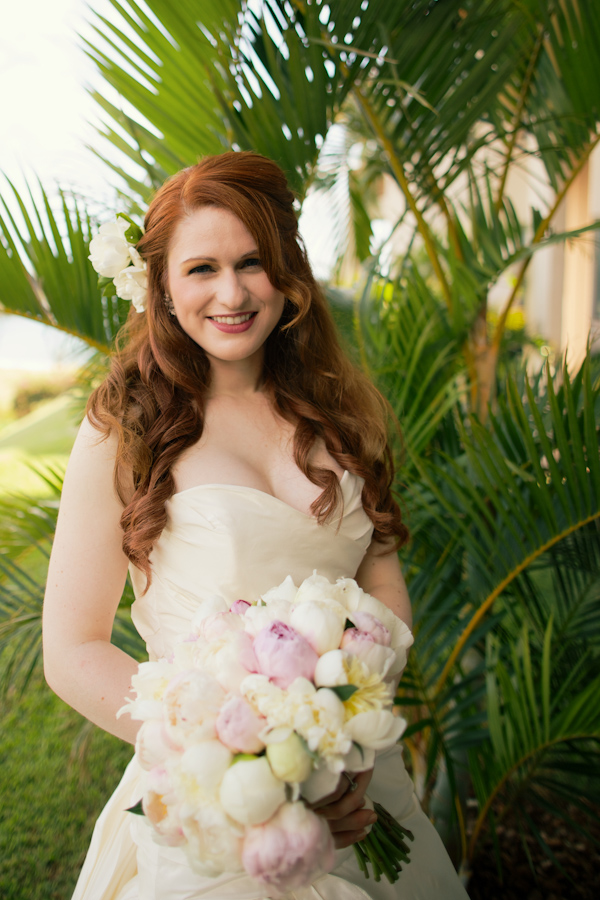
<point x="91" y="467"/>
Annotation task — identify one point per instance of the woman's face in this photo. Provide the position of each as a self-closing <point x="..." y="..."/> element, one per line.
<point x="221" y="294"/>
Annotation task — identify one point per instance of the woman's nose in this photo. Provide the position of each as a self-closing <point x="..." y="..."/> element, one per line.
<point x="232" y="292"/>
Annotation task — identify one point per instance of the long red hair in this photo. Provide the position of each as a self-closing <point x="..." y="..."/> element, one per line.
<point x="153" y="398"/>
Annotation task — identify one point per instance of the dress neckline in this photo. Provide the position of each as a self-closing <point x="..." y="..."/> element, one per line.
<point x="244" y="487"/>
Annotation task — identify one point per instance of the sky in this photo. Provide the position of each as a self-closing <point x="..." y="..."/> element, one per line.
<point x="45" y="123"/>
<point x="46" y="120"/>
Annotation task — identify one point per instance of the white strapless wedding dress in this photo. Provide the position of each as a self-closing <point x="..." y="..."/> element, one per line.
<point x="239" y="542"/>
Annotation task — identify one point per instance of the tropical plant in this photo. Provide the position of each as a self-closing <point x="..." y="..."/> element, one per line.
<point x="446" y="98"/>
<point x="26" y="533"/>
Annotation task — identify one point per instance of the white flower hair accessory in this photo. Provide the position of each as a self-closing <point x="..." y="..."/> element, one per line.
<point x="121" y="268"/>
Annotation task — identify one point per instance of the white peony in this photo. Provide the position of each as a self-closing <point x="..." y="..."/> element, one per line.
<point x="315" y="587"/>
<point x="250" y="793"/>
<point x="150" y="683"/>
<point x="286" y="591"/>
<point x="288" y="759"/>
<point x="330" y="670"/>
<point x="191" y="705"/>
<point x="376" y="729"/>
<point x="377" y="658"/>
<point x="184" y="654"/>
<point x="319" y="719"/>
<point x="321" y="622"/>
<point x="151" y="679"/>
<point x="214" y="842"/>
<point x="153" y="746"/>
<point x="348" y="593"/>
<point x="229" y="659"/>
<point x="197" y="774"/>
<point x="109" y="249"/>
<point x="161" y="809"/>
<point x="317" y="716"/>
<point x="208" y="607"/>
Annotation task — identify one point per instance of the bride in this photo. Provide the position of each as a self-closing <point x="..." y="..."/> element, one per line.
<point x="231" y="445"/>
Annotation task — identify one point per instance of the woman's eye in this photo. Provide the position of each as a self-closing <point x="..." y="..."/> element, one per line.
<point x="201" y="269"/>
<point x="253" y="261"/>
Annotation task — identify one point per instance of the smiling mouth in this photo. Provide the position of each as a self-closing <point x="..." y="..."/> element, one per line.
<point x="233" y="320"/>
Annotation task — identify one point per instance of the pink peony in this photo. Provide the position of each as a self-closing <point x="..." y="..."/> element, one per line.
<point x="377" y="657"/>
<point x="289" y="851"/>
<point x="238" y="726"/>
<point x="370" y="624"/>
<point x="284" y="655"/>
<point x="239" y="607"/>
<point x="355" y="636"/>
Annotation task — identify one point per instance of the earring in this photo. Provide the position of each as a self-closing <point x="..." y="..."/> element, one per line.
<point x="169" y="304"/>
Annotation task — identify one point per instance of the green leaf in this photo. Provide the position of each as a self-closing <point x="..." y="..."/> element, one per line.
<point x="359" y="748"/>
<point x="241" y="757"/>
<point x="344" y="691"/>
<point x="134" y="233"/>
<point x="137" y="809"/>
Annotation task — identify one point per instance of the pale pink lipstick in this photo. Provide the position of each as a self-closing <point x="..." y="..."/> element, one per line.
<point x="233" y="328"/>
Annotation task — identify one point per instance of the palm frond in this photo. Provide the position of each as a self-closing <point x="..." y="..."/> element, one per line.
<point x="404" y="333"/>
<point x="512" y="508"/>
<point x="26" y="535"/>
<point x="45" y="271"/>
<point x="538" y="738"/>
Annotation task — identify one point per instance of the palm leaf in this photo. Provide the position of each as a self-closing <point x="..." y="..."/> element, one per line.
<point x="538" y="738"/>
<point x="489" y="522"/>
<point x="45" y="272"/>
<point x="515" y="509"/>
<point x="26" y="535"/>
<point x="403" y="332"/>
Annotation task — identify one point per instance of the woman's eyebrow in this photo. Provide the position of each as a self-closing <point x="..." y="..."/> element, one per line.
<point x="212" y="258"/>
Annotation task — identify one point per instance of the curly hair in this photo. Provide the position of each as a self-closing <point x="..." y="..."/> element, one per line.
<point x="154" y="396"/>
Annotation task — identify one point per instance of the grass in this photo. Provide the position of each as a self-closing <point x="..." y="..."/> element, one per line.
<point x="56" y="771"/>
<point x="43" y="437"/>
<point x="49" y="429"/>
<point x="51" y="794"/>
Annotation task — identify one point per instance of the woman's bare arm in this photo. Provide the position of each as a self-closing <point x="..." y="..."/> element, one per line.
<point x="382" y="577"/>
<point x="85" y="582"/>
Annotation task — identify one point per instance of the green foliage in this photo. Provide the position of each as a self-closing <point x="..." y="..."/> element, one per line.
<point x="45" y="273"/>
<point x="26" y="532"/>
<point x="44" y="831"/>
<point x="506" y="538"/>
<point x="544" y="728"/>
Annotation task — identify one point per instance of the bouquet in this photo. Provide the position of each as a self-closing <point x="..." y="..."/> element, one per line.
<point x="261" y="707"/>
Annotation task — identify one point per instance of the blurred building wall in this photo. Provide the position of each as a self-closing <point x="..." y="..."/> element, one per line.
<point x="562" y="299"/>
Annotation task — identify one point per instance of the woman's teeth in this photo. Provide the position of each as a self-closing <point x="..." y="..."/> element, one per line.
<point x="232" y="320"/>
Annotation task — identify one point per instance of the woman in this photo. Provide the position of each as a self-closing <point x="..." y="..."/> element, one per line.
<point x="231" y="445"/>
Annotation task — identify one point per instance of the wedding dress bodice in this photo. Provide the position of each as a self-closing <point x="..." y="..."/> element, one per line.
<point x="238" y="542"/>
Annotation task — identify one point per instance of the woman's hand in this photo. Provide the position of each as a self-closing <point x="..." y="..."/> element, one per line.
<point x="344" y="811"/>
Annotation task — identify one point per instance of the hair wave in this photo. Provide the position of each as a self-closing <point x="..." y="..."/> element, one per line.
<point x="153" y="398"/>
